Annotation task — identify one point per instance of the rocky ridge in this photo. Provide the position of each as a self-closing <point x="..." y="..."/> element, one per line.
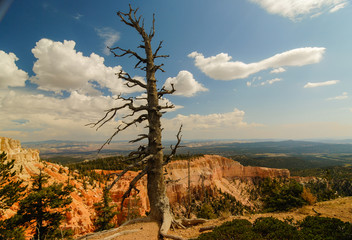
<point x="209" y="171"/>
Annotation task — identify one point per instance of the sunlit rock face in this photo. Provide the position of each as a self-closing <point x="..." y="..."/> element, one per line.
<point x="210" y="171"/>
<point x="214" y="171"/>
<point x="25" y="159"/>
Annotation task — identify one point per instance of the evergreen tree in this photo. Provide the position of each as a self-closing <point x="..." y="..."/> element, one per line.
<point x="104" y="213"/>
<point x="44" y="207"/>
<point x="11" y="190"/>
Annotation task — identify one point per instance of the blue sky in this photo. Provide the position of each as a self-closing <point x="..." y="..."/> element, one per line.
<point x="246" y="69"/>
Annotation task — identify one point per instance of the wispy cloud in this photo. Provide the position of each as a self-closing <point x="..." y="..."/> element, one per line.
<point x="270" y="82"/>
<point x="110" y="37"/>
<point x="278" y="70"/>
<point x="338" y="7"/>
<point x="220" y="67"/>
<point x="296" y="10"/>
<point x="321" y="84"/>
<point x="343" y="96"/>
<point x="78" y="16"/>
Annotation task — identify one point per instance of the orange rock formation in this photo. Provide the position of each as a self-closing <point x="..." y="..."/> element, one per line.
<point x="209" y="170"/>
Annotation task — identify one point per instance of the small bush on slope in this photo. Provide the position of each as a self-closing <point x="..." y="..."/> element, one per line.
<point x="311" y="228"/>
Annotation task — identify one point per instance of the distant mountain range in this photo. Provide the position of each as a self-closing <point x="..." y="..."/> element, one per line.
<point x="225" y="147"/>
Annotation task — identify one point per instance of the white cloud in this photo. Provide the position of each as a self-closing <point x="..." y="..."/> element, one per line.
<point x="297" y="9"/>
<point x="217" y="125"/>
<point x="321" y="84"/>
<point x="10" y="75"/>
<point x="271" y="81"/>
<point x="278" y="70"/>
<point x="184" y="84"/>
<point x="59" y="67"/>
<point x="343" y="96"/>
<point x="220" y="67"/>
<point x="338" y="7"/>
<point x="110" y="37"/>
<point x="45" y="117"/>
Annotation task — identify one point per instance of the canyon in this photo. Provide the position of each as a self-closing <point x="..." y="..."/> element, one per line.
<point x="209" y="171"/>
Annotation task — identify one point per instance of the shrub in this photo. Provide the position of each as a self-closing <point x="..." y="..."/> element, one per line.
<point x="281" y="195"/>
<point x="308" y="196"/>
<point x="236" y="229"/>
<point x="274" y="229"/>
<point x="206" y="211"/>
<point x="311" y="228"/>
<point x="315" y="228"/>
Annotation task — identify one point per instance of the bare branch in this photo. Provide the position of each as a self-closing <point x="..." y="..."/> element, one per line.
<point x="133" y="185"/>
<point x="155" y="55"/>
<point x="125" y="76"/>
<point x="152" y="31"/>
<point x="167" y="106"/>
<point x="142" y="136"/>
<point x="127" y="52"/>
<point x="158" y="67"/>
<point x="174" y="149"/>
<point x="123" y="127"/>
<point x="164" y="91"/>
<point x="129" y="167"/>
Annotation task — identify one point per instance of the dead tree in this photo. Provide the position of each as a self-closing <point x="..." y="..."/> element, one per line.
<point x="150" y="156"/>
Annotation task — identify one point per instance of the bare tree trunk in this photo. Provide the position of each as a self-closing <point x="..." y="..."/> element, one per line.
<point x="152" y="155"/>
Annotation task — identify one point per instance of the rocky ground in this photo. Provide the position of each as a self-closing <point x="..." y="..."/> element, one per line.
<point x="339" y="208"/>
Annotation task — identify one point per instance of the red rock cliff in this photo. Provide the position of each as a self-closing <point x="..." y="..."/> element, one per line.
<point x="209" y="171"/>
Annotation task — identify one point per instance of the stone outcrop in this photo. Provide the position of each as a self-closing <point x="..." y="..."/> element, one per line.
<point x="25" y="159"/>
<point x="216" y="172"/>
<point x="209" y="171"/>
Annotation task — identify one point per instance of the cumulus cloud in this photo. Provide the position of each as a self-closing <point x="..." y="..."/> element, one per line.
<point x="220" y="67"/>
<point x="59" y="67"/>
<point x="216" y="125"/>
<point x="295" y="10"/>
<point x="278" y="70"/>
<point x="110" y="37"/>
<point x="76" y="106"/>
<point x="321" y="84"/>
<point x="343" y="96"/>
<point x="44" y="117"/>
<point x="196" y="121"/>
<point x="184" y="84"/>
<point x="10" y="75"/>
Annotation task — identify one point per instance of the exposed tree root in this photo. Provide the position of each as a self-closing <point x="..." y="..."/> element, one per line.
<point x="137" y="220"/>
<point x="203" y="229"/>
<point x="121" y="233"/>
<point x="191" y="222"/>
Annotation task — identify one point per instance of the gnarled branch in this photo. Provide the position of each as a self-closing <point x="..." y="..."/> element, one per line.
<point x="174" y="149"/>
<point x="133" y="185"/>
<point x="164" y="91"/>
<point x="129" y="167"/>
<point x="125" y="76"/>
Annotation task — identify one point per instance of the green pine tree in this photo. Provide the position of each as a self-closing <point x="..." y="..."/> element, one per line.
<point x="104" y="212"/>
<point x="11" y="190"/>
<point x="44" y="207"/>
